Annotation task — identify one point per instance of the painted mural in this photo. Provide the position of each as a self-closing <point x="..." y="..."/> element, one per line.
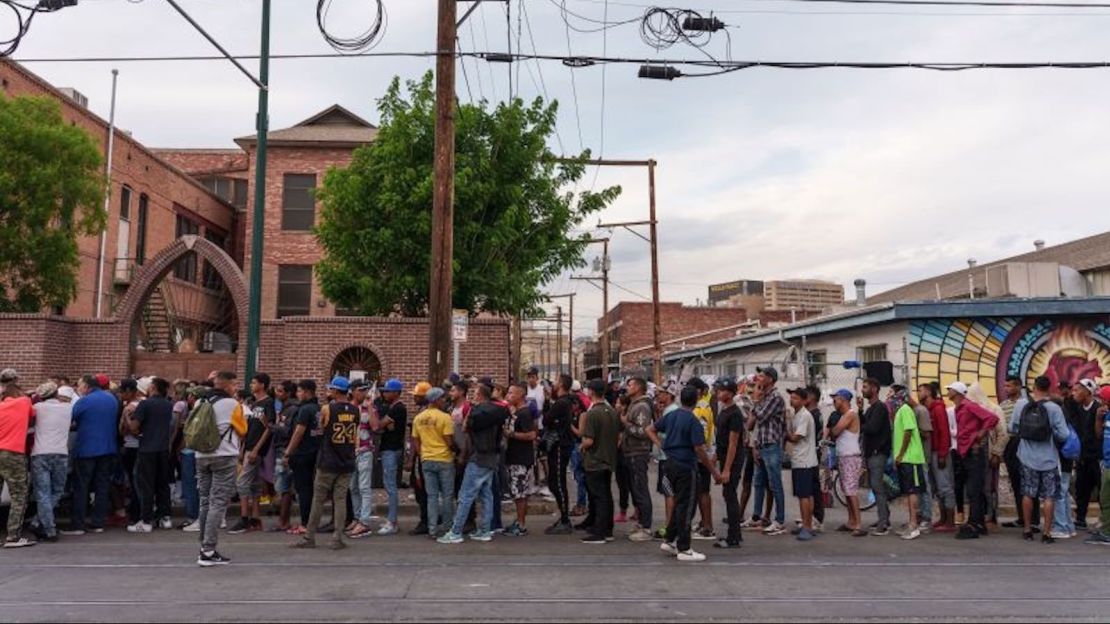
<point x="987" y="350"/>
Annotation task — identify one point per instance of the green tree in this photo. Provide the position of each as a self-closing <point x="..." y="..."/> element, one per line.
<point x="515" y="210"/>
<point x="51" y="191"/>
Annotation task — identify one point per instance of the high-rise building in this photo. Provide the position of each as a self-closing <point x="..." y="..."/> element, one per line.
<point x="776" y="295"/>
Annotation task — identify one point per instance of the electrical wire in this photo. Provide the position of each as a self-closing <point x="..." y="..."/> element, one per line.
<point x="366" y="40"/>
<point x="539" y="69"/>
<point x="462" y="64"/>
<point x="574" y="92"/>
<point x="23" y="22"/>
<point x="974" y="3"/>
<point x="477" y="69"/>
<point x="789" y="12"/>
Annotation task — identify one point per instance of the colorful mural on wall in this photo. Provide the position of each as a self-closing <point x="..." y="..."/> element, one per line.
<point x="988" y="350"/>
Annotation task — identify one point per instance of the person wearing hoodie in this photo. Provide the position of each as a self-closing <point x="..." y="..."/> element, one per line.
<point x="636" y="448"/>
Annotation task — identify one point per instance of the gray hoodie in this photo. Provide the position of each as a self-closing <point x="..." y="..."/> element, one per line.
<point x="635" y="441"/>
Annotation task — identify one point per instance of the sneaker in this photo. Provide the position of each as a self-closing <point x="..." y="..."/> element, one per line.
<point x="691" y="556"/>
<point x="594" y="539"/>
<point x="925" y="527"/>
<point x="49" y="539"/>
<point x="22" y="542"/>
<point x="388" y="528"/>
<point x="818" y="527"/>
<point x="166" y="523"/>
<point x="1081" y="525"/>
<point x="140" y="527"/>
<point x="1047" y="538"/>
<point x="912" y="534"/>
<point x="640" y="535"/>
<point x="966" y="533"/>
<point x="704" y="533"/>
<point x="208" y="560"/>
<point x="559" y="528"/>
<point x="1098" y="538"/>
<point x="96" y="530"/>
<point x="421" y="529"/>
<point x="450" y="538"/>
<point x="620" y="518"/>
<point x="754" y="523"/>
<point x="774" y="529"/>
<point x="223" y="523"/>
<point x="724" y="543"/>
<point x="1060" y="535"/>
<point x="669" y="548"/>
<point x="515" y="530"/>
<point x="880" y="531"/>
<point x="1027" y="536"/>
<point x="255" y="526"/>
<point x="73" y="532"/>
<point x="242" y="526"/>
<point x="480" y="536"/>
<point x="806" y="535"/>
<point x="192" y="527"/>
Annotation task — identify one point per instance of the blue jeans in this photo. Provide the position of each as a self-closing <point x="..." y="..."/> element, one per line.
<point x="95" y="473"/>
<point x="391" y="463"/>
<point x="1062" y="521"/>
<point x="48" y="476"/>
<point x="189" y="492"/>
<point x="439" y="483"/>
<point x="579" y="477"/>
<point x="477" y="481"/>
<point x="362" y="491"/>
<point x="769" y="470"/>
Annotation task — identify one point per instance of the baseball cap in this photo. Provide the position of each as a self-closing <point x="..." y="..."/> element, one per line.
<point x="958" y="386"/>
<point x="47" y="390"/>
<point x="8" y="375"/>
<point x="727" y="383"/>
<point x="800" y="392"/>
<point x="672" y="388"/>
<point x="768" y="371"/>
<point x="698" y="383"/>
<point x="127" y="385"/>
<point x="144" y="384"/>
<point x="340" y="383"/>
<point x="1090" y="385"/>
<point x="1104" y="394"/>
<point x="576" y="386"/>
<point x="421" y="389"/>
<point x="533" y="371"/>
<point x="597" y="386"/>
<point x="393" y="385"/>
<point x="67" y="392"/>
<point x="103" y="381"/>
<point x="434" y="394"/>
<point x="843" y="394"/>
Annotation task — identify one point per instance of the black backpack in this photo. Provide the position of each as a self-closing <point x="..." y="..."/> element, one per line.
<point x="1035" y="425"/>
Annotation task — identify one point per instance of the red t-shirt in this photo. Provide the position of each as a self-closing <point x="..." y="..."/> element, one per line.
<point x="15" y="417"/>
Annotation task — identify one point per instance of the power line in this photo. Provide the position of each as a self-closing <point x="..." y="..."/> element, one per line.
<point x="539" y="69"/>
<point x="638" y="5"/>
<point x="365" y="40"/>
<point x="574" y="92"/>
<point x="976" y="3"/>
<point x="477" y="69"/>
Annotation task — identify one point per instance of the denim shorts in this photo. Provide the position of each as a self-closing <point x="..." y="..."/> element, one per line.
<point x="283" y="477"/>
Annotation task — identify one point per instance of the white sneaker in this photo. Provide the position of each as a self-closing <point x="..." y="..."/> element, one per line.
<point x="166" y="523"/>
<point x="640" y="535"/>
<point x="1060" y="535"/>
<point x="912" y="534"/>
<point x="223" y="523"/>
<point x="818" y="527"/>
<point x="774" y="529"/>
<point x="192" y="527"/>
<point x="691" y="556"/>
<point x="140" y="527"/>
<point x="668" y="548"/>
<point x="387" y="529"/>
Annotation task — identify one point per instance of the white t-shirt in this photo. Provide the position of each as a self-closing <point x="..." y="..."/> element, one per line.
<point x="538" y="396"/>
<point x="803" y="453"/>
<point x="952" y="425"/>
<point x="52" y="419"/>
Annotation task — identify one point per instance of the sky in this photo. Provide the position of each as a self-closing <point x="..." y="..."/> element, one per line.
<point x="836" y="174"/>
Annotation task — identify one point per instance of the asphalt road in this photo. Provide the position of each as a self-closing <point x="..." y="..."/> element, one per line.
<point x="121" y="577"/>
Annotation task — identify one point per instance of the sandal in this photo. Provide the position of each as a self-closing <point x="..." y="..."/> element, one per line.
<point x="859" y="533"/>
<point x="297" y="530"/>
<point x="844" y="528"/>
<point x="360" y="531"/>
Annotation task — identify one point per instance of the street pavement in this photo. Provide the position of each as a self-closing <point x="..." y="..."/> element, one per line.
<point x="122" y="577"/>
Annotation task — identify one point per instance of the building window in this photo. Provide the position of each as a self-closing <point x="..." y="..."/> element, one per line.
<point x="817" y="366"/>
<point x="186" y="267"/>
<point x="298" y="207"/>
<point x="125" y="203"/>
<point x="140" y="239"/>
<point x="872" y="353"/>
<point x="239" y="198"/>
<point x="212" y="279"/>
<point x="294" y="294"/>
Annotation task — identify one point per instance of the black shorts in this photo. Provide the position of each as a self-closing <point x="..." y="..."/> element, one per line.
<point x="705" y="480"/>
<point x="749" y="467"/>
<point x="805" y="481"/>
<point x="659" y="479"/>
<point x="911" y="478"/>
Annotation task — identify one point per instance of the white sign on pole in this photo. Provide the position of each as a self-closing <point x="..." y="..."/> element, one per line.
<point x="460" y="321"/>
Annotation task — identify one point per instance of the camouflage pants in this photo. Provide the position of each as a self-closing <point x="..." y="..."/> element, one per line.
<point x="13" y="472"/>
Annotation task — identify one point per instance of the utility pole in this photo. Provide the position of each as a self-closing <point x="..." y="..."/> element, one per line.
<point x="559" y="339"/>
<point x="262" y="124"/>
<point x="100" y="259"/>
<point x="516" y="347"/>
<point x="559" y="320"/>
<point x="443" y="197"/>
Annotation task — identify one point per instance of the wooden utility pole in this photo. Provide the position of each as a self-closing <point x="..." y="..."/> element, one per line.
<point x="516" y="348"/>
<point x="559" y="320"/>
<point x="559" y="339"/>
<point x="656" y="322"/>
<point x="443" y="198"/>
<point x="605" y="311"/>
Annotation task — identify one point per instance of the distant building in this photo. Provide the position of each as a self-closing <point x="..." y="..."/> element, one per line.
<point x="756" y="296"/>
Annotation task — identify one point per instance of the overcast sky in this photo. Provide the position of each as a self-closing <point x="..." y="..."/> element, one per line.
<point x="889" y="175"/>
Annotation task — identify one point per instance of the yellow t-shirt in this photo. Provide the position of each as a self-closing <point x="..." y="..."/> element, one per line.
<point x="704" y="413"/>
<point x="435" y="430"/>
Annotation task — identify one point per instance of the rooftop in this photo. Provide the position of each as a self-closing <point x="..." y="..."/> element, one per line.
<point x="334" y="125"/>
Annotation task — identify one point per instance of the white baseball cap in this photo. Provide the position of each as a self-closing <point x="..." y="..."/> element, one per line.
<point x="959" y="387"/>
<point x="1090" y="385"/>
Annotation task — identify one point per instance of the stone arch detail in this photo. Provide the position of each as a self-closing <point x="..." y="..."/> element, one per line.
<point x="160" y="265"/>
<point x="378" y="353"/>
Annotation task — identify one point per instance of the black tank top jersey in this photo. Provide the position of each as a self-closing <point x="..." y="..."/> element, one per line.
<point x="337" y="447"/>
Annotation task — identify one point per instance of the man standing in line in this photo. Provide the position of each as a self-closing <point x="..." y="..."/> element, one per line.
<point x="96" y="452"/>
<point x="803" y="461"/>
<point x="813" y="406"/>
<point x="520" y="455"/>
<point x="636" y="448"/>
<point x="705" y="412"/>
<point x="484" y="432"/>
<point x="286" y="405"/>
<point x="152" y="423"/>
<point x="216" y="470"/>
<point x="1014" y="389"/>
<point x="925" y="431"/>
<point x="876" y="449"/>
<point x="560" y="442"/>
<point x="770" y="429"/>
<point x="255" y="447"/>
<point x="600" y="431"/>
<point x="362" y="482"/>
<point x="1039" y="425"/>
<point x="334" y="463"/>
<point x="50" y="455"/>
<point x="666" y="401"/>
<point x="394" y="419"/>
<point x="1087" y="470"/>
<point x="909" y="459"/>
<point x="939" y="449"/>
<point x="16" y="413"/>
<point x="1101" y="536"/>
<point x="433" y="440"/>
<point x="416" y="477"/>
<point x="730" y="457"/>
<point x="684" y="444"/>
<point x="303" y="448"/>
<point x="973" y="423"/>
<point x="844" y="427"/>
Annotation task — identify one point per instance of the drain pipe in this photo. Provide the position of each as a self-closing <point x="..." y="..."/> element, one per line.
<point x="107" y="201"/>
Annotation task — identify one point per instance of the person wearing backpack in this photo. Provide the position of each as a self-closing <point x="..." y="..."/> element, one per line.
<point x="222" y="415"/>
<point x="1038" y="422"/>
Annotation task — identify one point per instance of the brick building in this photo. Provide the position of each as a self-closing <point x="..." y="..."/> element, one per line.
<point x="630" y="327"/>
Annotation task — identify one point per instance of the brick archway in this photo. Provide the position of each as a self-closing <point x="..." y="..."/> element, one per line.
<point x="154" y="271"/>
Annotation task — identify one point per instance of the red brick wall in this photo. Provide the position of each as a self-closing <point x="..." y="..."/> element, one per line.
<point x="230" y="163"/>
<point x="135" y="166"/>
<point x="676" y="321"/>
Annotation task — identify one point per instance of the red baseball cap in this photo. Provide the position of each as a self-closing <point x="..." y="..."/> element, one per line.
<point x="1104" y="394"/>
<point x="103" y="380"/>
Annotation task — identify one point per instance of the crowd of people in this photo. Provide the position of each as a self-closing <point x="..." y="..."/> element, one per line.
<point x="128" y="445"/>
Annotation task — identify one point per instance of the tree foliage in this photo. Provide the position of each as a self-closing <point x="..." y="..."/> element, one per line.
<point x="515" y="210"/>
<point x="51" y="191"/>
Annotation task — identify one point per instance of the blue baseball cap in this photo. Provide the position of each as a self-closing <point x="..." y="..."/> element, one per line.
<point x="844" y="394"/>
<point x="340" y="383"/>
<point x="393" y="385"/>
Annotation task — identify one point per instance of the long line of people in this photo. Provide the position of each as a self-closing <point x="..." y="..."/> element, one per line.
<point x="474" y="444"/>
